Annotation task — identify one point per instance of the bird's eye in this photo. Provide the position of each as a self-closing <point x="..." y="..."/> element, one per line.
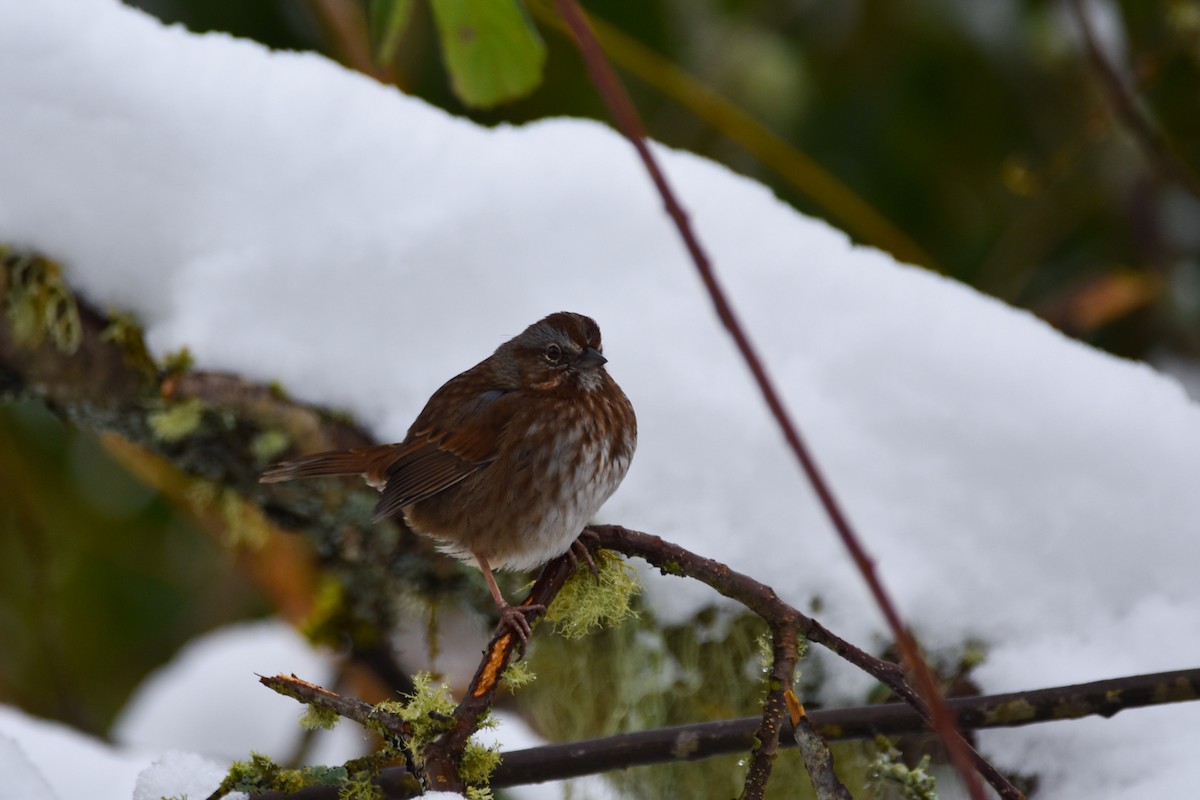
<point x="553" y="352"/>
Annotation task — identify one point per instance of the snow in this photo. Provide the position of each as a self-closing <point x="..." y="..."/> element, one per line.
<point x="34" y="753"/>
<point x="178" y="774"/>
<point x="208" y="700"/>
<point x="21" y="776"/>
<point x="290" y="220"/>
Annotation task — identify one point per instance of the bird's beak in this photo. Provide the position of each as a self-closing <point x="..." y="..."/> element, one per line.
<point x="590" y="359"/>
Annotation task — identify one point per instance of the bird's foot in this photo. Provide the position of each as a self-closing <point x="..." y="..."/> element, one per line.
<point x="579" y="550"/>
<point x="515" y="619"/>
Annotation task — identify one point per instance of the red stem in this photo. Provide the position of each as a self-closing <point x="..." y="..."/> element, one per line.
<point x="626" y="117"/>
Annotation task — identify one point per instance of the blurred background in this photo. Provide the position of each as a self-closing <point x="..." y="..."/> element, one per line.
<point x="1051" y="164"/>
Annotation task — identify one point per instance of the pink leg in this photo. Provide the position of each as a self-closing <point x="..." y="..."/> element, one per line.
<point x="511" y="617"/>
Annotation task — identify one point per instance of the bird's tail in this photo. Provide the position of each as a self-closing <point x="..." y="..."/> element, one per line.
<point x="370" y="462"/>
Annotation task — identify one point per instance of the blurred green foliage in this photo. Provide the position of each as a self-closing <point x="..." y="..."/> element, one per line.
<point x="101" y="579"/>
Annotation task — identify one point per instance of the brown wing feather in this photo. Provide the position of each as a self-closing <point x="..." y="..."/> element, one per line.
<point x="368" y="461"/>
<point x="437" y="459"/>
<point x="432" y="458"/>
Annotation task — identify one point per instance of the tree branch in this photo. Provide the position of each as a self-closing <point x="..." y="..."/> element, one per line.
<point x="704" y="740"/>
<point x="441" y="757"/>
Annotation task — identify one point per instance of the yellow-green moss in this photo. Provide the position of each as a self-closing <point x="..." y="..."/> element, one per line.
<point x="322" y="625"/>
<point x="41" y="305"/>
<point x="318" y="717"/>
<point x="179" y="361"/>
<point x="476" y="768"/>
<point x="428" y="711"/>
<point x="260" y="774"/>
<point x="268" y="444"/>
<point x="178" y="420"/>
<point x="518" y="675"/>
<point x="588" y="601"/>
<point x="364" y="789"/>
<point x="124" y="332"/>
<point x="245" y="525"/>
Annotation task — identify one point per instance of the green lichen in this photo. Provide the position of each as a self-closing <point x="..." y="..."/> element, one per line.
<point x="1012" y="712"/>
<point x="518" y="675"/>
<point x="318" y="717"/>
<point x="260" y="775"/>
<point x="245" y="526"/>
<point x="362" y="789"/>
<point x="428" y="711"/>
<point x="888" y="770"/>
<point x="1180" y="690"/>
<point x="269" y="444"/>
<point x="479" y="793"/>
<point x="124" y="332"/>
<point x="587" y="602"/>
<point x="177" y="421"/>
<point x="476" y="768"/>
<point x="255" y="776"/>
<point x="323" y="623"/>
<point x="179" y="361"/>
<point x="40" y="304"/>
<point x="201" y="495"/>
<point x="766" y="652"/>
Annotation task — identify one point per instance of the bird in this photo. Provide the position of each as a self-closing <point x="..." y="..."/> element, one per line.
<point x="509" y="460"/>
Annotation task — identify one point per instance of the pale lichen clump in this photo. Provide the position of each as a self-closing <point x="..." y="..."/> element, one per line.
<point x="40" y="304"/>
<point x="429" y="713"/>
<point x="177" y="421"/>
<point x="587" y="602"/>
<point x="319" y="718"/>
<point x="913" y="783"/>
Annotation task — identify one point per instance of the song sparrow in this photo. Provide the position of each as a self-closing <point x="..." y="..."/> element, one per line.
<point x="508" y="460"/>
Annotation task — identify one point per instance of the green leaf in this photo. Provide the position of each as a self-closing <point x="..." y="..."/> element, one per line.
<point x="492" y="50"/>
<point x="387" y="22"/>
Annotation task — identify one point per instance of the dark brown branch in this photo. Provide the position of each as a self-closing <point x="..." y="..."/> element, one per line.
<point x="708" y="739"/>
<point x="1125" y="107"/>
<point x="705" y="740"/>
<point x="441" y="757"/>
<point x="626" y="117"/>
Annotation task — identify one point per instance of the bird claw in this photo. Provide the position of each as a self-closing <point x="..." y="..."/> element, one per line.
<point x="580" y="550"/>
<point x="514" y="619"/>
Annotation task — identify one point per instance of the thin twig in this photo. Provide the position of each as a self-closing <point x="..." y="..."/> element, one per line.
<point x="628" y="122"/>
<point x="348" y="707"/>
<point x="773" y="151"/>
<point x="1125" y="107"/>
